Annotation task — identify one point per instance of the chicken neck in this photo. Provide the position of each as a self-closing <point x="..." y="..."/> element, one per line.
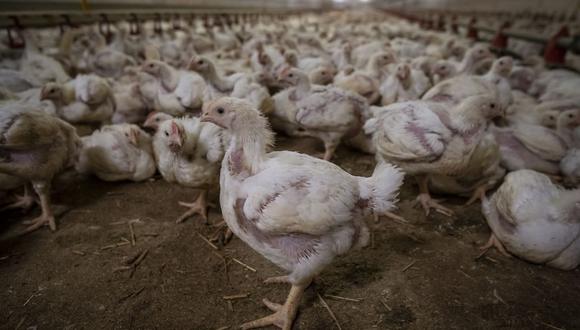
<point x="168" y="78"/>
<point x="220" y="83"/>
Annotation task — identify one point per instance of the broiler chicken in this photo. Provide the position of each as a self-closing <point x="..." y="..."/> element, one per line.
<point x="324" y="112"/>
<point x="534" y="219"/>
<point x="116" y="153"/>
<point x="297" y="211"/>
<point x="188" y="153"/>
<point x="86" y="99"/>
<point x="35" y="146"/>
<point x="432" y="139"/>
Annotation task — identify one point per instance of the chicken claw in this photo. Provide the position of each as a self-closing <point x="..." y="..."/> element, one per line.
<point x="478" y="194"/>
<point x="429" y="203"/>
<point x="197" y="207"/>
<point x="493" y="242"/>
<point x="24" y="202"/>
<point x="43" y="220"/>
<point x="390" y="215"/>
<point x="284" y="315"/>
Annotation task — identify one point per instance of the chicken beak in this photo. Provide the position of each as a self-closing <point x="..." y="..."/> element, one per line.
<point x="207" y="118"/>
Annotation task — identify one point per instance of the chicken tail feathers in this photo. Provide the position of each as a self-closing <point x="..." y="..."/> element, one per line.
<point x="382" y="188"/>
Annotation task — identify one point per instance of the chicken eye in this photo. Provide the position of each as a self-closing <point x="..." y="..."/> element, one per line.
<point x="291" y="75"/>
<point x="157" y="119"/>
<point x="492" y="105"/>
<point x="166" y="133"/>
<point x="220" y="110"/>
<point x="200" y="62"/>
<point x="570" y="116"/>
<point x="151" y="65"/>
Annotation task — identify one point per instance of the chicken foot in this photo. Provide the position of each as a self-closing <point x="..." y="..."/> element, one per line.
<point x="427" y="202"/>
<point x="493" y="242"/>
<point x="47" y="216"/>
<point x="222" y="235"/>
<point x="199" y="206"/>
<point x="284" y="315"/>
<point x="24" y="202"/>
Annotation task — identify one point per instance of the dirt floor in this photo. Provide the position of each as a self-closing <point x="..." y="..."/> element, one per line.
<point x="421" y="275"/>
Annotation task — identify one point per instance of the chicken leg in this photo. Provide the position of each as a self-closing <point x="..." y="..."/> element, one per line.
<point x="197" y="207"/>
<point x="427" y="202"/>
<point x="494" y="242"/>
<point x="47" y="217"/>
<point x="284" y="315"/>
<point x="478" y="194"/>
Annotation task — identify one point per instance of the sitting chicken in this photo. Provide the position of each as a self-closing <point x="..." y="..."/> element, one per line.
<point x="324" y="112"/>
<point x="36" y="147"/>
<point x="431" y="138"/>
<point x="154" y="119"/>
<point x="535" y="220"/>
<point x="189" y="152"/>
<point x="531" y="147"/>
<point x="87" y="99"/>
<point x="116" y="153"/>
<point x="298" y="211"/>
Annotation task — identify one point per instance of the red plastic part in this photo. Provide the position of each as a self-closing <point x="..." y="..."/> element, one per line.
<point x="553" y="53"/>
<point x="472" y="30"/>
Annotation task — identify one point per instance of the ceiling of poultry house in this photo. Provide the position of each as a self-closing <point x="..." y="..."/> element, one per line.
<point x="84" y="5"/>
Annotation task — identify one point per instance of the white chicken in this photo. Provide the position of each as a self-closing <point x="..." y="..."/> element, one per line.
<point x="325" y="112"/>
<point x="297" y="211"/>
<point x="535" y="220"/>
<point x="116" y="153"/>
<point x="188" y="153"/>
<point x="430" y="138"/>
<point x="85" y="99"/>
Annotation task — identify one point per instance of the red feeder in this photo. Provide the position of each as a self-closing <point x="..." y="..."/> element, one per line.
<point x="554" y="54"/>
<point x="472" y="30"/>
<point x="500" y="40"/>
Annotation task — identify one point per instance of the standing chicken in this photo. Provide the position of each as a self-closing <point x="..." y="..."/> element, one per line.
<point x="36" y="146"/>
<point x="535" y="220"/>
<point x="298" y="211"/>
<point x="325" y="112"/>
<point x="189" y="152"/>
<point x="429" y="138"/>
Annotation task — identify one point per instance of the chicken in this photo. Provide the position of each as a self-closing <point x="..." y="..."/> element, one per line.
<point x="324" y="112"/>
<point x="498" y="76"/>
<point x="179" y="91"/>
<point x="116" y="153"/>
<point x="297" y="211"/>
<point x="399" y="86"/>
<point x="535" y="220"/>
<point x="188" y="153"/>
<point x="35" y="146"/>
<point x="218" y="85"/>
<point x="366" y="82"/>
<point x="429" y="138"/>
<point x="531" y="147"/>
<point x="154" y="119"/>
<point x="482" y="173"/>
<point x="86" y="99"/>
<point x="130" y="106"/>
